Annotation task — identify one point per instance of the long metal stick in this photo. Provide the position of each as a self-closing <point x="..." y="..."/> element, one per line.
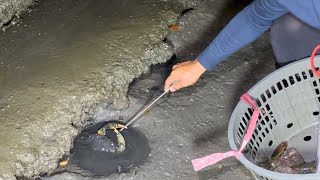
<point x="147" y="108"/>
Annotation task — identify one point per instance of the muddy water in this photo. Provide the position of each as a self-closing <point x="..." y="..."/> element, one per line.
<point x="60" y="61"/>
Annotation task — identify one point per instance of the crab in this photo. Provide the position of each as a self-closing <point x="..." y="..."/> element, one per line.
<point x="288" y="161"/>
<point x="114" y="126"/>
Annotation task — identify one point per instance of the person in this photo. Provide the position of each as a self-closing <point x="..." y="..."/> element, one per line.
<point x="294" y="32"/>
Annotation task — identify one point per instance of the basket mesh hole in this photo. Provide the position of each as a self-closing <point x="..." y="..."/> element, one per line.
<point x="238" y="137"/>
<point x="289" y="125"/>
<point x="275" y="122"/>
<point x="242" y="127"/>
<point x="244" y="121"/>
<point x="254" y="137"/>
<point x="298" y="77"/>
<point x="259" y="127"/>
<point x="260" y="139"/>
<point x="271" y="114"/>
<point x="271" y="127"/>
<point x="317" y="91"/>
<point x="263" y="134"/>
<point x="267" y="130"/>
<point x="307" y="138"/>
<point x="273" y="90"/>
<point x="304" y="75"/>
<point x="316" y="113"/>
<point x="291" y="80"/>
<point x="250" y="111"/>
<point x="315" y="83"/>
<point x="268" y="94"/>
<point x="241" y="131"/>
<point x="279" y="86"/>
<point x="255" y="131"/>
<point x="268" y="107"/>
<point x="263" y="98"/>
<point x="285" y="83"/>
<point x="270" y="143"/>
<point x="258" y="103"/>
<point x="247" y="116"/>
<point x="311" y="73"/>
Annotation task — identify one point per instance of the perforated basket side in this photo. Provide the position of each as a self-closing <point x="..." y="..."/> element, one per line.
<point x="288" y="100"/>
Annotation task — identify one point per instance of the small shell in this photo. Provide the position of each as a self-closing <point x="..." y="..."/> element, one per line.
<point x="100" y="132"/>
<point x="63" y="163"/>
<point x="174" y="27"/>
<point x="279" y="150"/>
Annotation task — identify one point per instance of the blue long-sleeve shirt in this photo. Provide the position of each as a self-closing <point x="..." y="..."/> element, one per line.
<point x="253" y="21"/>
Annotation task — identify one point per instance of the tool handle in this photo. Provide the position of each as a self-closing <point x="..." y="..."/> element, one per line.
<point x="145" y="109"/>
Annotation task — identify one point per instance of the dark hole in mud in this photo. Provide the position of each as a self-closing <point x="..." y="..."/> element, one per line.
<point x="91" y="154"/>
<point x="186" y="10"/>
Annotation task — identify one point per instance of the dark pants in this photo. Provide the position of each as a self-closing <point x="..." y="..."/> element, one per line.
<point x="292" y="39"/>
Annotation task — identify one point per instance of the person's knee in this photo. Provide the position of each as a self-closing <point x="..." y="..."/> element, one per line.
<point x="292" y="39"/>
<point x="285" y="27"/>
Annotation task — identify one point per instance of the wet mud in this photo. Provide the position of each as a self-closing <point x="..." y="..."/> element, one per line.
<point x="70" y="60"/>
<point x="11" y="9"/>
<point x="61" y="61"/>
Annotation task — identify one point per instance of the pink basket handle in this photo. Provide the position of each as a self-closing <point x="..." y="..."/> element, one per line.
<point x="312" y="61"/>
<point x="203" y="162"/>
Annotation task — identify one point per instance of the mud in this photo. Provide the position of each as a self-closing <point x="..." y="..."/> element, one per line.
<point x="67" y="57"/>
<point x="12" y="8"/>
<point x="192" y="122"/>
<point x="63" y="59"/>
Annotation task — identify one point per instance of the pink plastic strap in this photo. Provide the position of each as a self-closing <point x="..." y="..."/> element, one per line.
<point x="203" y="162"/>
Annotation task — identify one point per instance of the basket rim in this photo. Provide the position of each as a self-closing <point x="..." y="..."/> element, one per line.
<point x="244" y="161"/>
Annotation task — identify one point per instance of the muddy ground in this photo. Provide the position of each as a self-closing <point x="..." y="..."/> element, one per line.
<point x="75" y="56"/>
<point x="60" y="61"/>
<point x="192" y="122"/>
<point x="11" y="9"/>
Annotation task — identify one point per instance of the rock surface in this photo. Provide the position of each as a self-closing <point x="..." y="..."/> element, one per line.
<point x="63" y="59"/>
<point x="11" y="8"/>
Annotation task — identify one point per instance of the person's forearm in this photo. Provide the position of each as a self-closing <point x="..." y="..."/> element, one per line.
<point x="243" y="29"/>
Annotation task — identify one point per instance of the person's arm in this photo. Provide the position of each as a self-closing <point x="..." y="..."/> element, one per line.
<point x="243" y="29"/>
<point x="307" y="11"/>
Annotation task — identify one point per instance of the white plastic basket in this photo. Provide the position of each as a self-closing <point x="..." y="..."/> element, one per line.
<point x="289" y="104"/>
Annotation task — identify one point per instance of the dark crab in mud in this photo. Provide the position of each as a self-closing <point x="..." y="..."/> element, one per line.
<point x="287" y="160"/>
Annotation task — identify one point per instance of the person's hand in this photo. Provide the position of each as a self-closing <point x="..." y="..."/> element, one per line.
<point x="186" y="73"/>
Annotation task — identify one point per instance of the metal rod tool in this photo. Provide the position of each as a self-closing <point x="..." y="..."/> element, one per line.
<point x="148" y="107"/>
